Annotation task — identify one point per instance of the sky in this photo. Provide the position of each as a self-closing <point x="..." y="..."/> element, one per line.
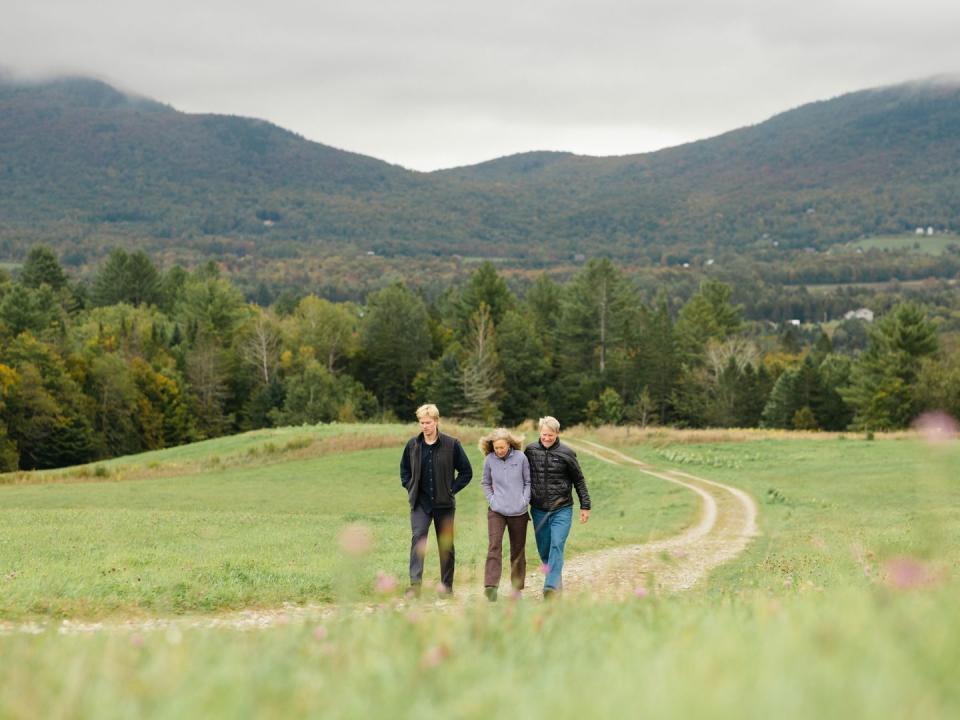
<point x="430" y="84"/>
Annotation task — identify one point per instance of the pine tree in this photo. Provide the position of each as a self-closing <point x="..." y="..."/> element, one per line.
<point x="42" y="267"/>
<point x="482" y="379"/>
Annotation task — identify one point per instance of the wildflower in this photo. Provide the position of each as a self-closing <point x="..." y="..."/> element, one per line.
<point x="936" y="427"/>
<point x="136" y="640"/>
<point x="907" y="573"/>
<point x="421" y="548"/>
<point x="434" y="656"/>
<point x="320" y="633"/>
<point x="356" y="539"/>
<point x="640" y="592"/>
<point x="385" y="583"/>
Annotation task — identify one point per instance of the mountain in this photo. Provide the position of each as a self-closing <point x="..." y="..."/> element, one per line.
<point x="83" y="165"/>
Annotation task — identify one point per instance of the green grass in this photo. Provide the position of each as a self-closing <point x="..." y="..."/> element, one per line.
<point x="831" y="511"/>
<point x="927" y="244"/>
<point x="806" y="623"/>
<point x="258" y="529"/>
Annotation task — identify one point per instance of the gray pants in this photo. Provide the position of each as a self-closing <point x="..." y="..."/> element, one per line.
<point x="442" y="519"/>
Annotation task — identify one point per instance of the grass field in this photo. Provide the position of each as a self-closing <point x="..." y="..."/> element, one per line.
<point x="928" y="244"/>
<point x="254" y="521"/>
<point x="843" y="607"/>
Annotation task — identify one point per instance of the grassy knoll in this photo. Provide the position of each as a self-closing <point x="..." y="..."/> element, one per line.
<point x="254" y="520"/>
<point x="844" y="607"/>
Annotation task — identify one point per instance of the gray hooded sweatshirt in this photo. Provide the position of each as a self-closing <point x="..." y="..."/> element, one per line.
<point x="506" y="483"/>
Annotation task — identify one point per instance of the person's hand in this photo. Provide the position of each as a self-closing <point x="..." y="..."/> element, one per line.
<point x="584" y="515"/>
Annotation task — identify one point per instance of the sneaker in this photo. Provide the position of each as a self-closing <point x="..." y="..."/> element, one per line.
<point x="491" y="593"/>
<point x="550" y="593"/>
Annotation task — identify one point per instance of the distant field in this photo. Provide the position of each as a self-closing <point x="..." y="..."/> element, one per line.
<point x="10" y="266"/>
<point x="844" y="606"/>
<point x="930" y="244"/>
<point x="914" y="284"/>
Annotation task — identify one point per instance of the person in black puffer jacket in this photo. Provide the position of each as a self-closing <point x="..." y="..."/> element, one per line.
<point x="554" y="474"/>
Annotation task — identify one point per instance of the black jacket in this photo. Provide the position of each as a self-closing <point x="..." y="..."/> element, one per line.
<point x="554" y="472"/>
<point x="448" y="457"/>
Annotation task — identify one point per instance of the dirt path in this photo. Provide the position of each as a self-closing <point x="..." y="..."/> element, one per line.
<point x="727" y="524"/>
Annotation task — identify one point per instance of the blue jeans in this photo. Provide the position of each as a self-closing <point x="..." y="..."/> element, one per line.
<point x="551" y="528"/>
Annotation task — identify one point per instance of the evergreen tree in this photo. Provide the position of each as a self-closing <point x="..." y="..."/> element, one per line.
<point x="484" y="287"/>
<point x="127" y="278"/>
<point x="482" y="380"/>
<point x="708" y="315"/>
<point x="42" y="267"/>
<point x="441" y="383"/>
<point x="525" y="366"/>
<point x="394" y="346"/>
<point x="657" y="364"/>
<point x="881" y="390"/>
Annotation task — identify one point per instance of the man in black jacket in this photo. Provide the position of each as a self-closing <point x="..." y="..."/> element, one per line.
<point x="554" y="473"/>
<point x="433" y="469"/>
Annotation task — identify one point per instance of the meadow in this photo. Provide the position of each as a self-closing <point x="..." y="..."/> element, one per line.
<point x="929" y="244"/>
<point x="844" y="606"/>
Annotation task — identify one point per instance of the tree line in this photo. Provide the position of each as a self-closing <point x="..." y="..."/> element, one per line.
<point x="139" y="359"/>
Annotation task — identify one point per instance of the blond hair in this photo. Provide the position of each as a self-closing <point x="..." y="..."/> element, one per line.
<point x="487" y="441"/>
<point x="428" y="410"/>
<point x="550" y="422"/>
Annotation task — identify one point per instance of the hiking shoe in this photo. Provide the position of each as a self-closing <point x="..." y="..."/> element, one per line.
<point x="412" y="593"/>
<point x="491" y="593"/>
<point x="550" y="593"/>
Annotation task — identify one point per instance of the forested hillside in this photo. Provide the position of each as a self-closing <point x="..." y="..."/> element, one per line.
<point x="84" y="167"/>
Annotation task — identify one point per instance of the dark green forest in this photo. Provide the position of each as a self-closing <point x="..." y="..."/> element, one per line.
<point x="84" y="168"/>
<point x="135" y="358"/>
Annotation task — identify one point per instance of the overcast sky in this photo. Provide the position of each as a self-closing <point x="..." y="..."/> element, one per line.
<point x="438" y="83"/>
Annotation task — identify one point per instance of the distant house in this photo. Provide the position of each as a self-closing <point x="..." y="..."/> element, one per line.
<point x="919" y="231"/>
<point x="864" y="314"/>
<point x="929" y="231"/>
<point x="794" y="322"/>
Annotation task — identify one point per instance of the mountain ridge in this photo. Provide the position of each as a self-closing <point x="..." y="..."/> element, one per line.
<point x="80" y="157"/>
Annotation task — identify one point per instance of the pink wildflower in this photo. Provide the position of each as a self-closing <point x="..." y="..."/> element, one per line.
<point x="936" y="427"/>
<point x="385" y="583"/>
<point x="907" y="573"/>
<point x="434" y="656"/>
<point x="356" y="539"/>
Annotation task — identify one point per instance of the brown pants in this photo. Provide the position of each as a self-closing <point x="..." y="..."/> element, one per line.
<point x="516" y="525"/>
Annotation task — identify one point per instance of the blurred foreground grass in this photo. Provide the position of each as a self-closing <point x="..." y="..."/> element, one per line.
<point x="866" y="653"/>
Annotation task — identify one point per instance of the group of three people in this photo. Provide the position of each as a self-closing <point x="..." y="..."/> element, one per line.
<point x="434" y="468"/>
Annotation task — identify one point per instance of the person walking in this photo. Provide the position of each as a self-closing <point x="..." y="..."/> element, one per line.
<point x="433" y="469"/>
<point x="506" y="485"/>
<point x="554" y="473"/>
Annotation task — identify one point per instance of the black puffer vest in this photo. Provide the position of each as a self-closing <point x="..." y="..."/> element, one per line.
<point x="554" y="472"/>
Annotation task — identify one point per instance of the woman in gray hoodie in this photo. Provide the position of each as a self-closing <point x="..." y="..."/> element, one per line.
<point x="506" y="483"/>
